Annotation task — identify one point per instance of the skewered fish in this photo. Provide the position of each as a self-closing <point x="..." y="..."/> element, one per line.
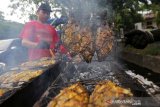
<point x="105" y="91"/>
<point x="78" y="39"/>
<point x="75" y="95"/>
<point x="71" y="37"/>
<point x="104" y="42"/>
<point x="86" y="42"/>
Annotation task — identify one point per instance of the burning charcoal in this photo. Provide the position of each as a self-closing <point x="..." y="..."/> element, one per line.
<point x="84" y="75"/>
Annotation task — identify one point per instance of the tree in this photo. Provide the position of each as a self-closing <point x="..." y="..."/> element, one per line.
<point x="155" y="8"/>
<point x="126" y="13"/>
<point x="26" y="8"/>
<point x="9" y="29"/>
<point x="155" y="1"/>
<point x="1" y="16"/>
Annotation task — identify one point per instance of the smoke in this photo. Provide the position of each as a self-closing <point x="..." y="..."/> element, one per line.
<point x="12" y="53"/>
<point x="85" y="10"/>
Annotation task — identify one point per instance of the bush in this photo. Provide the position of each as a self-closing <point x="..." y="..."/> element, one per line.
<point x="151" y="49"/>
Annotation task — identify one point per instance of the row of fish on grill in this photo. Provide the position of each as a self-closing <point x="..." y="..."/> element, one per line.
<point x="27" y="71"/>
<point x="76" y="95"/>
<point x="80" y="39"/>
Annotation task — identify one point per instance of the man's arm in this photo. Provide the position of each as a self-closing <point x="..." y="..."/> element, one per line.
<point x="28" y="35"/>
<point x="28" y="43"/>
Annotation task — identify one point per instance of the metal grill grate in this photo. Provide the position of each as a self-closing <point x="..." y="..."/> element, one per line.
<point x="85" y="73"/>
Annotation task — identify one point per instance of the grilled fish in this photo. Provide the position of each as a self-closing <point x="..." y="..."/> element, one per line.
<point x="2" y="91"/>
<point x="24" y="76"/>
<point x="71" y="37"/>
<point x="78" y="39"/>
<point x="75" y="95"/>
<point x="104" y="42"/>
<point x="44" y="62"/>
<point x="86" y="42"/>
<point x="106" y="91"/>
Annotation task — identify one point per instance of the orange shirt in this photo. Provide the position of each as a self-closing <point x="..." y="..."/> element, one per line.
<point x="35" y="32"/>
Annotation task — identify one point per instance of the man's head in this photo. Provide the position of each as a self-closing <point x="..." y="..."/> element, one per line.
<point x="43" y="12"/>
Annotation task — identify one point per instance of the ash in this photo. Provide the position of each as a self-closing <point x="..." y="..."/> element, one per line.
<point x="89" y="73"/>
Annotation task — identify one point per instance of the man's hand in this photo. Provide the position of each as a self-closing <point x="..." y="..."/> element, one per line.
<point x="138" y="38"/>
<point x="43" y="45"/>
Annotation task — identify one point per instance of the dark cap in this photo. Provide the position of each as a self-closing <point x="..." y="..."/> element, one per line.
<point x="45" y="6"/>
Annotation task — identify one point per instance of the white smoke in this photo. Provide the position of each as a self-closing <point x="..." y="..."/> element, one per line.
<point x="83" y="10"/>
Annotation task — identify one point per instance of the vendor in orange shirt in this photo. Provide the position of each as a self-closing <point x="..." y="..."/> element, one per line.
<point x="39" y="36"/>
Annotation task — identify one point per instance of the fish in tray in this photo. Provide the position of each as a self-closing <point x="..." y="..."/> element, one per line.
<point x="6" y="75"/>
<point x="14" y="79"/>
<point x="74" y="95"/>
<point x="106" y="91"/>
<point x="44" y="62"/>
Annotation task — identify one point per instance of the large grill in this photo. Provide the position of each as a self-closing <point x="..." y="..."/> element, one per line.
<point x="89" y="75"/>
<point x="42" y="89"/>
<point x="26" y="93"/>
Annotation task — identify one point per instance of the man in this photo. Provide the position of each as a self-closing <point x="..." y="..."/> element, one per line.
<point x="39" y="36"/>
<point x="140" y="39"/>
<point x="57" y="21"/>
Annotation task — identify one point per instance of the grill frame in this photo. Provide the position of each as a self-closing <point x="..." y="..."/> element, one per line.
<point x="59" y="84"/>
<point x="28" y="94"/>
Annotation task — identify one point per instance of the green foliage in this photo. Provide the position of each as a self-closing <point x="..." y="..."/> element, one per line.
<point x="32" y="17"/>
<point x="1" y="16"/>
<point x="126" y="13"/>
<point x="155" y="1"/>
<point x="151" y="49"/>
<point x="158" y="18"/>
<point x="25" y="8"/>
<point x="9" y="29"/>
